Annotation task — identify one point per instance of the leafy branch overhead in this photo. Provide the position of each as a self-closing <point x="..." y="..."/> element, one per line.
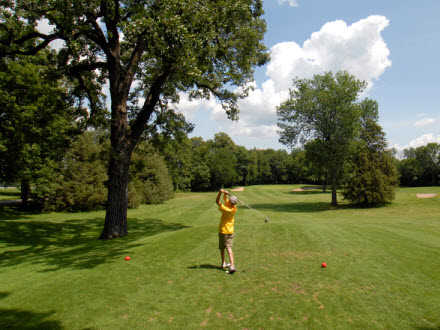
<point x="168" y="46"/>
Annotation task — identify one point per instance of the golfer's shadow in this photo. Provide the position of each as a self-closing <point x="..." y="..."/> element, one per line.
<point x="205" y="266"/>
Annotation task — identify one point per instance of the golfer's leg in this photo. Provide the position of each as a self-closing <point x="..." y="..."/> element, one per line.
<point x="231" y="257"/>
<point x="222" y="255"/>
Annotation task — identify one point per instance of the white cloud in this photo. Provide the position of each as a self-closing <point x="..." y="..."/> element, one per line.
<point x="44" y="27"/>
<point x="420" y="141"/>
<point x="358" y="48"/>
<point x="425" y="122"/>
<point x="292" y="3"/>
<point x="190" y="107"/>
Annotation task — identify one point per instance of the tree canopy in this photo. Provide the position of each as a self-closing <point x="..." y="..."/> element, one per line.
<point x="323" y="108"/>
<point x="147" y="51"/>
<point x="37" y="117"/>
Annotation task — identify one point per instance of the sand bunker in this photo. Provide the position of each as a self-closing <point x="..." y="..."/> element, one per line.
<point x="426" y="195"/>
<point x="238" y="189"/>
<point x="298" y="189"/>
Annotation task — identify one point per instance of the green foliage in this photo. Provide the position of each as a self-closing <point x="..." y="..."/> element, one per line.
<point x="37" y="116"/>
<point x="324" y="109"/>
<point x="150" y="180"/>
<point x="78" y="181"/>
<point x="371" y="173"/>
<point x="420" y="166"/>
<point x="371" y="179"/>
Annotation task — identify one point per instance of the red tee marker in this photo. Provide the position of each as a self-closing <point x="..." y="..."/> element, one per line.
<point x="127" y="258"/>
<point x="323" y="265"/>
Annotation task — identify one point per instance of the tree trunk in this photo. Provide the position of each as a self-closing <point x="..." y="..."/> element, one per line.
<point x="25" y="192"/>
<point x="334" y="187"/>
<point x="117" y="202"/>
<point x="334" y="196"/>
<point x="115" y="224"/>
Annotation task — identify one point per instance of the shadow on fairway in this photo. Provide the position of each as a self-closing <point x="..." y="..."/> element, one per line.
<point x="294" y="207"/>
<point x="25" y="320"/>
<point x="4" y="294"/>
<point x="71" y="243"/>
<point x="12" y="213"/>
<point x="205" y="266"/>
<point x="308" y="192"/>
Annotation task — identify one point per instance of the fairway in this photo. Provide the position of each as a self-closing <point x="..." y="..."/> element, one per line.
<point x="383" y="265"/>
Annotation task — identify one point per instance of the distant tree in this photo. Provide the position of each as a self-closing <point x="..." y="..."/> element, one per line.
<point x="222" y="161"/>
<point x="371" y="175"/>
<point x="264" y="169"/>
<point x="201" y="47"/>
<point x="150" y="180"/>
<point x="420" y="166"/>
<point x="201" y="175"/>
<point x="243" y="164"/>
<point x="323" y="108"/>
<point x="37" y="117"/>
<point x="316" y="157"/>
<point x="252" y="173"/>
<point x="298" y="171"/>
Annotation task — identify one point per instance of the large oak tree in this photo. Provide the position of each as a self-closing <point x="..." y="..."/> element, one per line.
<point x="147" y="51"/>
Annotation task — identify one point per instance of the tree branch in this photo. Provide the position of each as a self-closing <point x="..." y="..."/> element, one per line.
<point x="133" y="63"/>
<point x="141" y="120"/>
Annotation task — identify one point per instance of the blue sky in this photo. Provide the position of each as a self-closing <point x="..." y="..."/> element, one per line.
<point x="394" y="45"/>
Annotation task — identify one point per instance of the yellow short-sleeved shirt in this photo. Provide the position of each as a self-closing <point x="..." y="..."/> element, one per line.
<point x="226" y="225"/>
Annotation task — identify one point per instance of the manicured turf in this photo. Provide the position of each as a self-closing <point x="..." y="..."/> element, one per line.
<point x="383" y="266"/>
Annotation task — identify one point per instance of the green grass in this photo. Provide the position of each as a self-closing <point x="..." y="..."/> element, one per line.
<point x="383" y="266"/>
<point x="9" y="193"/>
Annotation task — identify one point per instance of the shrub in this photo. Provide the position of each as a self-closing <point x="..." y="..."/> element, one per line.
<point x="371" y="179"/>
<point x="78" y="182"/>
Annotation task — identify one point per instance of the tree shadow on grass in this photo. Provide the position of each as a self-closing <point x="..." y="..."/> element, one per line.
<point x="25" y="320"/>
<point x="71" y="243"/>
<point x="12" y="213"/>
<point x="309" y="192"/>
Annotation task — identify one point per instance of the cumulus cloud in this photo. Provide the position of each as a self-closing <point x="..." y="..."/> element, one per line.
<point x="420" y="141"/>
<point x="425" y="122"/>
<point x="357" y="48"/>
<point x="291" y="3"/>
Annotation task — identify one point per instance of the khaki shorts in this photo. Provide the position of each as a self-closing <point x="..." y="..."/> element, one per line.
<point x="225" y="241"/>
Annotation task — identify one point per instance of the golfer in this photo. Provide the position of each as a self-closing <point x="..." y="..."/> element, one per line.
<point x="226" y="227"/>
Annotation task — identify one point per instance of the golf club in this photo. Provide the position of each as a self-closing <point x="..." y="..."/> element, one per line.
<point x="266" y="218"/>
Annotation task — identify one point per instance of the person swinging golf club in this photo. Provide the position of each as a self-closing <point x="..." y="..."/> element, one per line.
<point x="226" y="228"/>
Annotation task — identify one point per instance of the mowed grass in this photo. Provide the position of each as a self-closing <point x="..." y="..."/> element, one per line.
<point x="383" y="266"/>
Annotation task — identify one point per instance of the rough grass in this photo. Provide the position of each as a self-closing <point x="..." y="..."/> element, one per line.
<point x="382" y="273"/>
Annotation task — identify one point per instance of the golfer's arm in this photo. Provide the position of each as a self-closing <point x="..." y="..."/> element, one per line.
<point x="218" y="198"/>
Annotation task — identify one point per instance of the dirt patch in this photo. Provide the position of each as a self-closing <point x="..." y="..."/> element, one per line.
<point x="426" y="195"/>
<point x="307" y="188"/>
<point x="238" y="189"/>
